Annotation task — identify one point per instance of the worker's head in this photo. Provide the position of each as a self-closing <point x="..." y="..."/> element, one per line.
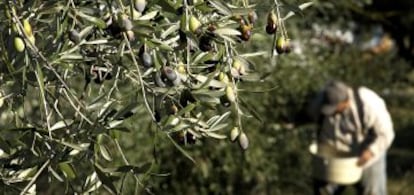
<point x="335" y="98"/>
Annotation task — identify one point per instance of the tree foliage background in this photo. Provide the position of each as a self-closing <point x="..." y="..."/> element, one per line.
<point x="131" y="97"/>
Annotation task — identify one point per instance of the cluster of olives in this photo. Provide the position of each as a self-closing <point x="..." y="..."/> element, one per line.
<point x="18" y="42"/>
<point x="185" y="137"/>
<point x="246" y="25"/>
<point x="235" y="134"/>
<point x="194" y="26"/>
<point x="282" y="42"/>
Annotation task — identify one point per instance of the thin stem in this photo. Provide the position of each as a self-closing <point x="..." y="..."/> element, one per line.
<point x="118" y="146"/>
<point x="234" y="86"/>
<point x="280" y="21"/>
<point x="42" y="92"/>
<point x="115" y="86"/>
<point x="77" y="109"/>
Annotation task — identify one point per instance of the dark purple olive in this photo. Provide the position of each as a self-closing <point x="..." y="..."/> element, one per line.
<point x="146" y="60"/>
<point x="74" y="36"/>
<point x="114" y="30"/>
<point x="157" y="116"/>
<point x="271" y="28"/>
<point x="190" y="138"/>
<point x="246" y="32"/>
<point x="205" y="44"/>
<point x="186" y="97"/>
<point x="225" y="101"/>
<point x="180" y="11"/>
<point x="272" y="21"/>
<point x="169" y="73"/>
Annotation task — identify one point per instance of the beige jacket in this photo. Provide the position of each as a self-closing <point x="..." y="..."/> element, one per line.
<point x="345" y="133"/>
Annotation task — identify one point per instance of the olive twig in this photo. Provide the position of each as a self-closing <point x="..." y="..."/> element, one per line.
<point x="115" y="83"/>
<point x="280" y="21"/>
<point x="234" y="86"/>
<point x="139" y="77"/>
<point x="118" y="146"/>
<point x="47" y="64"/>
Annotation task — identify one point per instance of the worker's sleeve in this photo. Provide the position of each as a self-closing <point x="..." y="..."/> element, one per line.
<point x="378" y="118"/>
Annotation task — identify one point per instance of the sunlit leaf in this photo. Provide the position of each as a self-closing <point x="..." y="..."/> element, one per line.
<point x="148" y="16"/>
<point x="27" y="173"/>
<point x="104" y="152"/>
<point x="299" y="10"/>
<point x="61" y="124"/>
<point x="67" y="170"/>
<point x="98" y="22"/>
<point x="187" y="109"/>
<point x="227" y="31"/>
<point x="221" y="7"/>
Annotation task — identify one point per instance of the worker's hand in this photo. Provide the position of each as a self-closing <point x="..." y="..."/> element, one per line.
<point x="365" y="156"/>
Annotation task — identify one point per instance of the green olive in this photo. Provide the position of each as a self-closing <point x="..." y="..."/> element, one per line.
<point x="27" y="27"/>
<point x="280" y="45"/>
<point x="234" y="133"/>
<point x="126" y="23"/>
<point x="283" y="45"/>
<point x="139" y="5"/>
<point x="19" y="44"/>
<point x="130" y="35"/>
<point x="181" y="68"/>
<point x="230" y="94"/>
<point x="243" y="141"/>
<point x="236" y="63"/>
<point x="223" y="77"/>
<point x="195" y="25"/>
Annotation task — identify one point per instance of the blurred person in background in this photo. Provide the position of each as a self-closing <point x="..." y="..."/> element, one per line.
<point x="354" y="121"/>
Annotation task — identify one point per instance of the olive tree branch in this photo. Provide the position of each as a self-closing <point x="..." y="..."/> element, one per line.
<point x="139" y="77"/>
<point x="47" y="64"/>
